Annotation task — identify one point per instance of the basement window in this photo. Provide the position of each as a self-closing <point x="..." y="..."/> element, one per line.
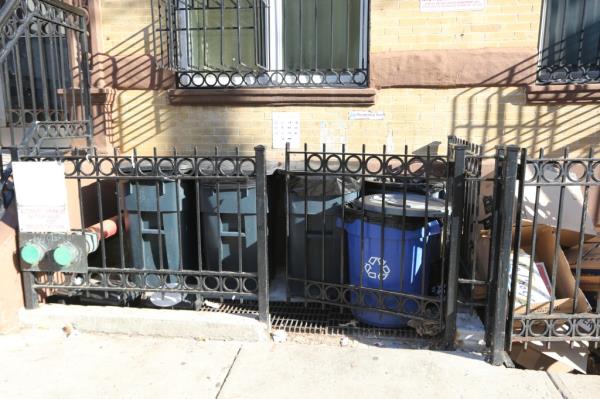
<point x="569" y="42"/>
<point x="264" y="43"/>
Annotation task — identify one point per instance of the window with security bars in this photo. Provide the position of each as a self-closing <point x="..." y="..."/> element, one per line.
<point x="264" y="43"/>
<point x="569" y="42"/>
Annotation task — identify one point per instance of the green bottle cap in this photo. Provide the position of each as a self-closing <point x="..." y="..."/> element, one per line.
<point x="65" y="254"/>
<point x="32" y="253"/>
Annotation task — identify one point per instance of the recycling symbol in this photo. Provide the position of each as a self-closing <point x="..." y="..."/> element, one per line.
<point x="375" y="266"/>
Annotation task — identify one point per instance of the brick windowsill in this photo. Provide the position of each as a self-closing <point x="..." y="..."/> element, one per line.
<point x="273" y="97"/>
<point x="563" y="94"/>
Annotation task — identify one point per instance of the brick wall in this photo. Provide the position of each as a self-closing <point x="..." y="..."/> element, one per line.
<point x="415" y="117"/>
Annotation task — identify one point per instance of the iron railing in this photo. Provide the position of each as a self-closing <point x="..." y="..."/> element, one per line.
<point x="485" y="209"/>
<point x="174" y="229"/>
<point x="553" y="225"/>
<point x="263" y="43"/>
<point x="354" y="243"/>
<point x="536" y="248"/>
<point x="45" y="87"/>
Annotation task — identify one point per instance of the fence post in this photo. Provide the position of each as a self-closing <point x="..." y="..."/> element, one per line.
<point x="261" y="227"/>
<point x="505" y="222"/>
<point x="85" y="83"/>
<point x="457" y="196"/>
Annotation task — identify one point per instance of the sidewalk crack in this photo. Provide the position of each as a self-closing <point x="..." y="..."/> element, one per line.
<point x="228" y="371"/>
<point x="559" y="385"/>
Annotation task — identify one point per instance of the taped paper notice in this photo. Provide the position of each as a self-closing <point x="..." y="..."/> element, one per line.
<point x="452" y="5"/>
<point x="41" y="197"/>
<point x="286" y="129"/>
<point x="366" y="115"/>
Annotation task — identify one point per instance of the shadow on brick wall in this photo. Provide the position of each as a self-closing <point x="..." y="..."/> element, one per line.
<point x="509" y="115"/>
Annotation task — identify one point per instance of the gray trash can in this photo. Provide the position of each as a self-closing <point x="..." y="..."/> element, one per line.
<point x="151" y="221"/>
<point x="315" y="238"/>
<point x="224" y="234"/>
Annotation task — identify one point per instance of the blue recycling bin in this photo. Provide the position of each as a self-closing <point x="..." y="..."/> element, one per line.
<point x="399" y="267"/>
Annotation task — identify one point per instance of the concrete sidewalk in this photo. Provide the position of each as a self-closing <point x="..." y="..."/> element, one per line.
<point x="45" y="363"/>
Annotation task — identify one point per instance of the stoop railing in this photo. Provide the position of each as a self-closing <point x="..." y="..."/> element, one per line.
<point x="45" y="86"/>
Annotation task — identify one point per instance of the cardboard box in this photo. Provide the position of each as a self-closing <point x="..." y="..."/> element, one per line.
<point x="547" y="205"/>
<point x="590" y="260"/>
<point x="545" y="251"/>
<point x="560" y="358"/>
<point x="564" y="305"/>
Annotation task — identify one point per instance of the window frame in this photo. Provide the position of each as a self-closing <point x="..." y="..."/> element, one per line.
<point x="274" y="76"/>
<point x="558" y="74"/>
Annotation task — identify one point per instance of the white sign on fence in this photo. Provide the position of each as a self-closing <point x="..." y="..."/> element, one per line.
<point x="41" y="197"/>
<point x="452" y="5"/>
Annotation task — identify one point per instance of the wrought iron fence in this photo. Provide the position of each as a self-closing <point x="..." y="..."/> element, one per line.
<point x="259" y="43"/>
<point x="555" y="239"/>
<point x="486" y="198"/>
<point x="537" y="250"/>
<point x="44" y="90"/>
<point x="171" y="230"/>
<point x="370" y="232"/>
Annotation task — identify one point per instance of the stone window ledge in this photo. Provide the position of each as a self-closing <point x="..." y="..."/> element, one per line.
<point x="563" y="94"/>
<point x="276" y="96"/>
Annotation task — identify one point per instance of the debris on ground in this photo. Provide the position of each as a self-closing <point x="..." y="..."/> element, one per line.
<point x="212" y="305"/>
<point x="425" y="328"/>
<point x="344" y="341"/>
<point x="279" y="336"/>
<point x="351" y="323"/>
<point x="70" y="330"/>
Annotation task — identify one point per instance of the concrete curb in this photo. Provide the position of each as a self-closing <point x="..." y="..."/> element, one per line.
<point x="147" y="322"/>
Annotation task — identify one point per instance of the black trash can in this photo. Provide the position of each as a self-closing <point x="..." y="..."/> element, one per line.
<point x="315" y="234"/>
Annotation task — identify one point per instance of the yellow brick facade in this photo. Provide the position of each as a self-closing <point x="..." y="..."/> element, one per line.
<point x="413" y="117"/>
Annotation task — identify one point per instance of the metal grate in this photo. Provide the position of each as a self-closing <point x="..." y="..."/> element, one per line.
<point x="313" y="318"/>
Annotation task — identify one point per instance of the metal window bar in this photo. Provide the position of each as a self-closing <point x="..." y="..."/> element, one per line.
<point x="259" y="43"/>
<point x="569" y="42"/>
<point x="165" y="212"/>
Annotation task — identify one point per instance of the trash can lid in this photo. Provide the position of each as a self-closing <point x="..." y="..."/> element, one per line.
<point x="415" y="204"/>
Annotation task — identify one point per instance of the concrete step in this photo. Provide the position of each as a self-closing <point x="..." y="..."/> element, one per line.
<point x="146" y="322"/>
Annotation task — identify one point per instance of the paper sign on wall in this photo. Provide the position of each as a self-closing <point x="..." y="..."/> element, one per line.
<point x="286" y="129"/>
<point x="452" y="5"/>
<point x="366" y="115"/>
<point x="41" y="197"/>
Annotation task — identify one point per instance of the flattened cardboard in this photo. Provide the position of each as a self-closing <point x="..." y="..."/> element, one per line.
<point x="590" y="261"/>
<point x="561" y="358"/>
<point x="564" y="305"/>
<point x="545" y="250"/>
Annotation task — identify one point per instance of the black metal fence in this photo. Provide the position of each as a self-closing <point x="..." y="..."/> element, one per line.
<point x="44" y="89"/>
<point x="173" y="229"/>
<point x="370" y="232"/>
<point x="396" y="240"/>
<point x="555" y="286"/>
<point x="532" y="247"/>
